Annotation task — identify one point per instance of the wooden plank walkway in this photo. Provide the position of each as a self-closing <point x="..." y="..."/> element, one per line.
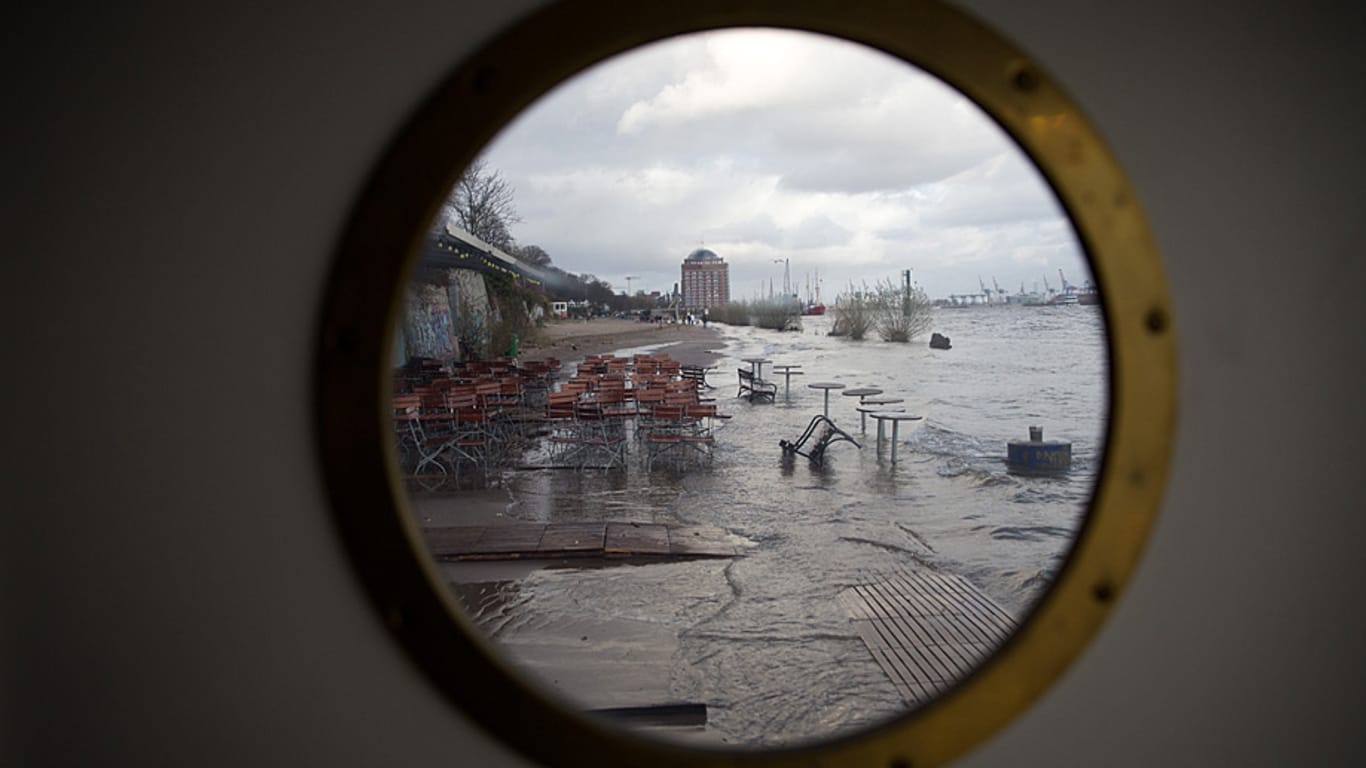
<point x="925" y="629"/>
<point x="554" y="540"/>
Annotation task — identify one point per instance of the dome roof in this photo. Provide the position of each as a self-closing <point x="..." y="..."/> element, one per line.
<point x="702" y="254"/>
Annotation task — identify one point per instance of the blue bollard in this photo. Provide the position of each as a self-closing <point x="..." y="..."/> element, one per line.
<point x="1038" y="456"/>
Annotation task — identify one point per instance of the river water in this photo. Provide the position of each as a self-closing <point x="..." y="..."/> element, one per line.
<point x="760" y="639"/>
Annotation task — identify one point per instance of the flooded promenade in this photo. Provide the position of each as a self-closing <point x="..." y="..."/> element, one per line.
<point x="766" y="640"/>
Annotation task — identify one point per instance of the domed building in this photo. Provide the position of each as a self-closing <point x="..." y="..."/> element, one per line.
<point x="706" y="280"/>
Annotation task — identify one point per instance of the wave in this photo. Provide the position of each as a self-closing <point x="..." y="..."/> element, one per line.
<point x="1030" y="532"/>
<point x="935" y="438"/>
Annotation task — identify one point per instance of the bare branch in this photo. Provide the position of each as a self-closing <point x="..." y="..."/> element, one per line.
<point x="481" y="203"/>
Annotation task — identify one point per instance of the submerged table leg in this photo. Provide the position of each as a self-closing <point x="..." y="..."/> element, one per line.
<point x="895" y="424"/>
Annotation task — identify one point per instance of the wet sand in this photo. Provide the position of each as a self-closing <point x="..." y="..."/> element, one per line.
<point x="568" y="340"/>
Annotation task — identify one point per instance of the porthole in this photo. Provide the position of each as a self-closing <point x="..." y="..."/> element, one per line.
<point x="391" y="221"/>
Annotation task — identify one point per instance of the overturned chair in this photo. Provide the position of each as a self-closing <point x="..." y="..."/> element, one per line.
<point x="819" y="435"/>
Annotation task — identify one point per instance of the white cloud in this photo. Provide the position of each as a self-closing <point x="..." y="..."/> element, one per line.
<point x="766" y="144"/>
<point x="743" y="72"/>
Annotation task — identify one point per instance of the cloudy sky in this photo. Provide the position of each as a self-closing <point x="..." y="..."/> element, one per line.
<point x="766" y="145"/>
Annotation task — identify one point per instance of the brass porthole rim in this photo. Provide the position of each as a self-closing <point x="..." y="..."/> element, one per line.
<point x="380" y="246"/>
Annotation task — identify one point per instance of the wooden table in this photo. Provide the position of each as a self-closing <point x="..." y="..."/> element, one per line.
<point x="896" y="417"/>
<point x="827" y="386"/>
<point x="788" y="373"/>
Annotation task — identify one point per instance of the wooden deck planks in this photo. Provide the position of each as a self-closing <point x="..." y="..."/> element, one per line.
<point x="573" y="539"/>
<point x="520" y="541"/>
<point x="443" y="541"/>
<point x="701" y="541"/>
<point x="926" y="630"/>
<point x="509" y="540"/>
<point x="636" y="539"/>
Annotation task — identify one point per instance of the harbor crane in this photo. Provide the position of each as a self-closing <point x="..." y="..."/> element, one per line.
<point x="787" y="280"/>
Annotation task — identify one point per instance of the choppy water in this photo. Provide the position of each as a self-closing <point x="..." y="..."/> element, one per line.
<point x="760" y="639"/>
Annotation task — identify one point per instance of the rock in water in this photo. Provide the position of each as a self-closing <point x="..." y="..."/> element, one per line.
<point x="939" y="341"/>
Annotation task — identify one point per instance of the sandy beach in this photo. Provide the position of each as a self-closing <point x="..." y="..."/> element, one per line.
<point x="568" y="340"/>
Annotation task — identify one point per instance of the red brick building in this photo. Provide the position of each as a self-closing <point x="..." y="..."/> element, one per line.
<point x="706" y="280"/>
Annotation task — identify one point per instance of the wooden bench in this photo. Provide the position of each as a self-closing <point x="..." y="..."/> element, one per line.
<point x="753" y="388"/>
<point x="698" y="374"/>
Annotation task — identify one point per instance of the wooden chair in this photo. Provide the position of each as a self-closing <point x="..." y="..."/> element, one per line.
<point x="663" y="435"/>
<point x="700" y="426"/>
<point x="601" y="439"/>
<point x="563" y="427"/>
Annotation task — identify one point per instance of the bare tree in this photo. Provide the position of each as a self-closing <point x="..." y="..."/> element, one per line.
<point x="778" y="314"/>
<point x="900" y="312"/>
<point x="481" y="204"/>
<point x="596" y="290"/>
<point x="534" y="255"/>
<point x="853" y="313"/>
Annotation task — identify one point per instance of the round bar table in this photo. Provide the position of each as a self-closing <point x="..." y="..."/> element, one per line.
<point x="788" y="373"/>
<point x="756" y="365"/>
<point x="827" y="386"/>
<point x="867" y="405"/>
<point x="861" y="392"/>
<point x="896" y="417"/>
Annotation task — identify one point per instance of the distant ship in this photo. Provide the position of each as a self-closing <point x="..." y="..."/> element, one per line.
<point x="813" y="305"/>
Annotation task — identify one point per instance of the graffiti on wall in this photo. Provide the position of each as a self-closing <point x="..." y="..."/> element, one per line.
<point x="447" y="319"/>
<point x="427" y="328"/>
